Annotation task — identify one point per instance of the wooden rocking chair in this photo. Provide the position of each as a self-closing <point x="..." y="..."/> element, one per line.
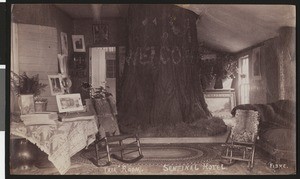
<point x="240" y="144"/>
<point x="109" y="137"/>
<point x="111" y="148"/>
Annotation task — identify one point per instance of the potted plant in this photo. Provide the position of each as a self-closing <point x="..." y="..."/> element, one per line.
<point x="230" y="69"/>
<point x="225" y="71"/>
<point x="24" y="85"/>
<point x="40" y="104"/>
<point x="99" y="98"/>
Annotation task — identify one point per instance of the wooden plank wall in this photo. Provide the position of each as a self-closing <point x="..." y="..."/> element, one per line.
<point x="37" y="48"/>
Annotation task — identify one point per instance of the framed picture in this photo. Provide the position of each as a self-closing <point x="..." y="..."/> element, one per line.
<point x="64" y="43"/>
<point x="100" y="33"/>
<point x="78" y="43"/>
<point x="26" y="104"/>
<point x="69" y="103"/>
<point x="220" y="103"/>
<point x="55" y="82"/>
<point x="256" y="64"/>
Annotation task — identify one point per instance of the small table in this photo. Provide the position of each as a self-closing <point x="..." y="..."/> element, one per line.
<point x="60" y="141"/>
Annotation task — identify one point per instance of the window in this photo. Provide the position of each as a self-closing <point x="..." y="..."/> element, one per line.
<point x="244" y="80"/>
<point x="110" y="68"/>
<point x="110" y="57"/>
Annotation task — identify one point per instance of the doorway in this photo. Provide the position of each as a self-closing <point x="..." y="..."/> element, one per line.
<point x="102" y="68"/>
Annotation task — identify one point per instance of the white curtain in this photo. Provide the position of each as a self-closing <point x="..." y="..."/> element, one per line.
<point x="14" y="48"/>
<point x="98" y="66"/>
<point x="14" y="61"/>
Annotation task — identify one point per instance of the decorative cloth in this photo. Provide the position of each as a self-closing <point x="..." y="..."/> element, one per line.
<point x="60" y="141"/>
<point x="246" y="127"/>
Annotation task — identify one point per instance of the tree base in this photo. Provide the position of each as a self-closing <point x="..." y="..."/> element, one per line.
<point x="202" y="128"/>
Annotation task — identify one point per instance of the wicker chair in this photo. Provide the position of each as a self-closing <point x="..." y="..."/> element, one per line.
<point x="240" y="144"/>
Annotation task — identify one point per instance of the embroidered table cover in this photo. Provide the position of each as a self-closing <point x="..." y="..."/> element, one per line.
<point x="60" y="141"/>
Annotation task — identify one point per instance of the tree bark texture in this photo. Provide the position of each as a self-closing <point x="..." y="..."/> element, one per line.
<point x="161" y="84"/>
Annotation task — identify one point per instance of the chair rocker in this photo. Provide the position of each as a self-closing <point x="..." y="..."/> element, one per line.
<point x="114" y="144"/>
<point x="240" y="143"/>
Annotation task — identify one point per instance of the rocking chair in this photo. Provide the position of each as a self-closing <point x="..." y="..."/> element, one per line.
<point x="109" y="137"/>
<point x="111" y="148"/>
<point x="240" y="144"/>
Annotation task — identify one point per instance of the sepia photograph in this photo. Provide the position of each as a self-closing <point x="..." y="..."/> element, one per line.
<point x="100" y="33"/>
<point x="69" y="102"/>
<point x="78" y="43"/>
<point x="256" y="64"/>
<point x="55" y="82"/>
<point x="64" y="43"/>
<point x="169" y="89"/>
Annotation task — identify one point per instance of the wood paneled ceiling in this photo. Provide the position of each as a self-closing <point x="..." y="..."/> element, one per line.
<point x="229" y="28"/>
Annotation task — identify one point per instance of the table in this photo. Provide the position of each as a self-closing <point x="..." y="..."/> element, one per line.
<point x="60" y="141"/>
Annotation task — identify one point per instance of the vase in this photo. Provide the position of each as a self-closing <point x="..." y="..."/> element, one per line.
<point x="26" y="104"/>
<point x="211" y="84"/>
<point x="218" y="84"/>
<point x="227" y="82"/>
<point x="40" y="106"/>
<point x="22" y="154"/>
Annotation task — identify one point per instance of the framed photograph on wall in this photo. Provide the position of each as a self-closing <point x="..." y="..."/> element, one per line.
<point x="78" y="43"/>
<point x="55" y="83"/>
<point x="69" y="103"/>
<point x="256" y="64"/>
<point x="100" y="33"/>
<point x="64" y="43"/>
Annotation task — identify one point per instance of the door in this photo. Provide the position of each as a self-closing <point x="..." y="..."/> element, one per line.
<point x="102" y="67"/>
<point x="244" y="80"/>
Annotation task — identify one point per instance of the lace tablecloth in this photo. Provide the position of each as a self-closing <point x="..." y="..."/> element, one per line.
<point x="61" y="141"/>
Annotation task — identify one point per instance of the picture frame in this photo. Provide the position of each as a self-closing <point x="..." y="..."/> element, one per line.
<point x="64" y="43"/>
<point x="26" y="104"/>
<point x="69" y="103"/>
<point x="101" y="33"/>
<point x="78" y="43"/>
<point x="256" y="64"/>
<point x="220" y="103"/>
<point x="55" y="83"/>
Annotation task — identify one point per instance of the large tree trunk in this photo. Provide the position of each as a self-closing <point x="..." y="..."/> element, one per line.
<point x="161" y="82"/>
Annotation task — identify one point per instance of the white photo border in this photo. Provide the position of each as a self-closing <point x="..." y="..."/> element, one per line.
<point x="75" y="96"/>
<point x="61" y="91"/>
<point x="76" y="38"/>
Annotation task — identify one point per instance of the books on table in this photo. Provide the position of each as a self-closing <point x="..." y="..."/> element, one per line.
<point x="40" y="118"/>
<point x="51" y="118"/>
<point x="82" y="116"/>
